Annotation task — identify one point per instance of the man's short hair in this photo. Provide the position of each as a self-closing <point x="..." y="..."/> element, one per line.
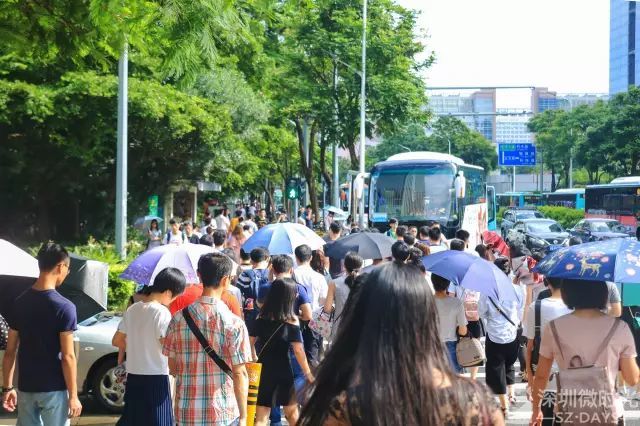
<point x="172" y="222"/>
<point x="249" y="216"/>
<point x="423" y="232"/>
<point x="334" y="227"/>
<point x="554" y="283"/>
<point x="435" y="234"/>
<point x="206" y="240"/>
<point x="462" y="234"/>
<point x="409" y="239"/>
<point x="439" y="283"/>
<point x="50" y="255"/>
<point x="281" y="264"/>
<point x="213" y="267"/>
<point x="187" y="223"/>
<point x="303" y="253"/>
<point x="207" y="220"/>
<point x="392" y="221"/>
<point x="219" y="237"/>
<point x="401" y="231"/>
<point x="457" y="244"/>
<point x="171" y="279"/>
<point x="259" y="254"/>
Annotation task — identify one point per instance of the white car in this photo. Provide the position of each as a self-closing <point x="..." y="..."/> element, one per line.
<point x="97" y="360"/>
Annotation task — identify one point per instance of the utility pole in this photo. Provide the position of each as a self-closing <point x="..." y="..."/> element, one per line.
<point x="121" y="157"/>
<point x="571" y="161"/>
<point x="336" y="178"/>
<point x="363" y="135"/>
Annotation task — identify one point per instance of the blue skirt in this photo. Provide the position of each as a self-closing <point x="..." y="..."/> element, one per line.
<point x="147" y="401"/>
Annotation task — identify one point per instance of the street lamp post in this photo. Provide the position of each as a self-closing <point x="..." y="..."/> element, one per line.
<point x="121" y="157"/>
<point x="363" y="136"/>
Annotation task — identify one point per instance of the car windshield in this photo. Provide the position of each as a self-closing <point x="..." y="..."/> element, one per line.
<point x="605" y="226"/>
<point x="413" y="193"/>
<point x="528" y="214"/>
<point x="543" y="227"/>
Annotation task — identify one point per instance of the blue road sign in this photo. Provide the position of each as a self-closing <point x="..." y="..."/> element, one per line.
<point x="516" y="154"/>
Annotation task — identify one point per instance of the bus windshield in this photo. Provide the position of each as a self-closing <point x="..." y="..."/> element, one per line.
<point x="413" y="193"/>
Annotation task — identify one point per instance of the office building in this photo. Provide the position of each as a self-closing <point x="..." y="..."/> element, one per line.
<point x="543" y="99"/>
<point x="624" y="69"/>
<point x="512" y="128"/>
<point x="469" y="109"/>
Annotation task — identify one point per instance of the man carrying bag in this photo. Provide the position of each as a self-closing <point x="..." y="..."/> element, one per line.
<point x="212" y="381"/>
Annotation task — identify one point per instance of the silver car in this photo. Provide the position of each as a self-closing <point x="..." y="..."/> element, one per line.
<point x="97" y="360"/>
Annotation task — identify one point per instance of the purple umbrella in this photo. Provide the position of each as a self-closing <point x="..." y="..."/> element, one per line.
<point x="145" y="267"/>
<point x="472" y="273"/>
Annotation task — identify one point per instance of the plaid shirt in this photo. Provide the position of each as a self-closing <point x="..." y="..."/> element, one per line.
<point x="204" y="393"/>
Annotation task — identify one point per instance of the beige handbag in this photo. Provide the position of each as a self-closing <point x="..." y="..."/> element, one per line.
<point x="585" y="395"/>
<point x="469" y="352"/>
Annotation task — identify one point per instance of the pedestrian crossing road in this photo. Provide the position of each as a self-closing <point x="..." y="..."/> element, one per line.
<point x="520" y="412"/>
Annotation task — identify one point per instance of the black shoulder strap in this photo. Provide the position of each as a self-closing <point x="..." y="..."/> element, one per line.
<point x="537" y="319"/>
<point x="204" y="343"/>
<point x="502" y="312"/>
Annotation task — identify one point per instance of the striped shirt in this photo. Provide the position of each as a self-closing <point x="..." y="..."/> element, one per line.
<point x="204" y="393"/>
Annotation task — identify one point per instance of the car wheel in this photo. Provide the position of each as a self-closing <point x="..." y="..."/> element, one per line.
<point x="107" y="390"/>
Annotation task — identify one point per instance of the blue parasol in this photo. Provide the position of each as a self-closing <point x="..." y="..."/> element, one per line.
<point x="471" y="272"/>
<point x="615" y="260"/>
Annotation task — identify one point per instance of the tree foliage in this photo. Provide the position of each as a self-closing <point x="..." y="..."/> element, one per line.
<point x="467" y="144"/>
<point x="603" y="138"/>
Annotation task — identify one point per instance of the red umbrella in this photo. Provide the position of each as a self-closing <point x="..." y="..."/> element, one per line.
<point x="494" y="240"/>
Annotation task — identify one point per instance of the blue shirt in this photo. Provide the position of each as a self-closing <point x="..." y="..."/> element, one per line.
<point x="498" y="328"/>
<point x="301" y="298"/>
<point x="40" y="317"/>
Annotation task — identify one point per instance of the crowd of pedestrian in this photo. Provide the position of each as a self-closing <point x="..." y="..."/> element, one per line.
<point x="340" y="341"/>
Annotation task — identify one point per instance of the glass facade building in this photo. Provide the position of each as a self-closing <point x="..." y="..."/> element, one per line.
<point x="624" y="69"/>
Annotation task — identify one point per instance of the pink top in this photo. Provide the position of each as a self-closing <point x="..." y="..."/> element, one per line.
<point x="583" y="336"/>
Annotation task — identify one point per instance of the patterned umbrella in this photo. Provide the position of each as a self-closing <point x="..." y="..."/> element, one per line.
<point x="615" y="260"/>
<point x="491" y="237"/>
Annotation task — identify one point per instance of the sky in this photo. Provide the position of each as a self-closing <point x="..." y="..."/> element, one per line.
<point x="559" y="44"/>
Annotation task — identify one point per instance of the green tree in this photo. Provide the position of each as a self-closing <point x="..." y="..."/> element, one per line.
<point x="314" y="41"/>
<point x="625" y="126"/>
<point x="467" y="144"/>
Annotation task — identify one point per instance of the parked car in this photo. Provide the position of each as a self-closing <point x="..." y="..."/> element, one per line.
<point x="599" y="229"/>
<point x="511" y="216"/>
<point x="97" y="360"/>
<point x="539" y="234"/>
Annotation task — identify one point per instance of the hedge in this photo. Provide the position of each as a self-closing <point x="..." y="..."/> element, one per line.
<point x="565" y="216"/>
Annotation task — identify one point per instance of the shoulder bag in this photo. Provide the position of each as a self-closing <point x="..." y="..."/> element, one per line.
<point x="469" y="351"/>
<point x="322" y="322"/>
<point x="536" y="339"/>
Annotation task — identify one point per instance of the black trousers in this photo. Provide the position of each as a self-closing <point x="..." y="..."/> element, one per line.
<point x="499" y="367"/>
<point x="312" y="345"/>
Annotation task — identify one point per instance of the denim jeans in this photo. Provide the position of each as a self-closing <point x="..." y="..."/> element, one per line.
<point x="453" y="358"/>
<point x="43" y="408"/>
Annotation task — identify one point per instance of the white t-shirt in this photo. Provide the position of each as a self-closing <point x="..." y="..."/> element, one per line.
<point x="315" y="284"/>
<point x="176" y="239"/>
<point x="145" y="323"/>
<point x="437" y="249"/>
<point x="550" y="309"/>
<point x="222" y="222"/>
<point x="450" y="317"/>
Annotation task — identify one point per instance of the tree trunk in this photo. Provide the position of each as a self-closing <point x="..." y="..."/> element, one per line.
<point x="354" y="157"/>
<point x="553" y="179"/>
<point x="307" y="171"/>
<point x="323" y="163"/>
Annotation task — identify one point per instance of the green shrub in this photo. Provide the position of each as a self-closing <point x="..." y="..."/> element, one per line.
<point x="563" y="215"/>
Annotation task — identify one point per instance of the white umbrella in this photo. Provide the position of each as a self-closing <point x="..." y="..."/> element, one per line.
<point x="17" y="262"/>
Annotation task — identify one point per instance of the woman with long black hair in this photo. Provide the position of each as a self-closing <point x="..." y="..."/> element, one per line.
<point x="387" y="365"/>
<point x="275" y="331"/>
